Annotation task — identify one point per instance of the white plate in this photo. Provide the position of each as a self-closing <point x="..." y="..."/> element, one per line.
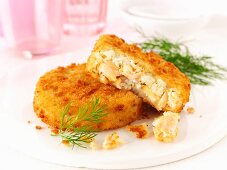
<point x="198" y="131"/>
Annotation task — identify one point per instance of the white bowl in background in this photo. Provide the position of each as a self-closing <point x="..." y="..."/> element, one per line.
<point x="172" y="21"/>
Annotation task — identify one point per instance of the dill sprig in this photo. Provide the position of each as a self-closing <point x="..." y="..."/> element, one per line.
<point x="90" y="112"/>
<point x="200" y="70"/>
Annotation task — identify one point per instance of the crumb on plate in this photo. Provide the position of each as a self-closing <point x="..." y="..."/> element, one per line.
<point x="141" y="131"/>
<point x="29" y="121"/>
<point x="65" y="142"/>
<point x="190" y="110"/>
<point x="165" y="127"/>
<point x="94" y="145"/>
<point x="38" y="127"/>
<point x="54" y="131"/>
<point x="112" y="141"/>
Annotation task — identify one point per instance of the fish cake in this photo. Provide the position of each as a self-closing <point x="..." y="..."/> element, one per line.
<point x="73" y="84"/>
<point x="148" y="75"/>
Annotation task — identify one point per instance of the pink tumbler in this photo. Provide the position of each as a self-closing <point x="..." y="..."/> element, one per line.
<point x="85" y="17"/>
<point x="33" y="26"/>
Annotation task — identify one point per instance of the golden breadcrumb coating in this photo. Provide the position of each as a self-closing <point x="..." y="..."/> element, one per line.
<point x="148" y="75"/>
<point x="57" y="88"/>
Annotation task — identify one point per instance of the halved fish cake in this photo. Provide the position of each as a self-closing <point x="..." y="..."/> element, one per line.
<point x="148" y="75"/>
<point x="73" y="84"/>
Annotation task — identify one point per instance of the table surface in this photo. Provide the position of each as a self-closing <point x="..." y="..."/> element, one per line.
<point x="214" y="157"/>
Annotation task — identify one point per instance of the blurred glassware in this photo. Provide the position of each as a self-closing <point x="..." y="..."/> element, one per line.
<point x="85" y="17"/>
<point x="32" y="26"/>
<point x="162" y="17"/>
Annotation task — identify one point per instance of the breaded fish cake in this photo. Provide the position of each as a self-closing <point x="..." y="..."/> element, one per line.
<point x="158" y="82"/>
<point x="73" y="84"/>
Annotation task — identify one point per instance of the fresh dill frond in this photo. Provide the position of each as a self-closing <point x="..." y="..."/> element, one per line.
<point x="91" y="112"/>
<point x="200" y="70"/>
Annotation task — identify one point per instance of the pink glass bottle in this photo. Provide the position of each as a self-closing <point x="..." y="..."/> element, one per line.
<point x="33" y="26"/>
<point x="85" y="17"/>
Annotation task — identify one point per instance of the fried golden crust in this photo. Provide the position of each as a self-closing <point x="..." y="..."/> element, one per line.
<point x="60" y="86"/>
<point x="151" y="62"/>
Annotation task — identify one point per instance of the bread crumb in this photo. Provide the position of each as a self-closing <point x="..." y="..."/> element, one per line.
<point x="165" y="127"/>
<point x="141" y="131"/>
<point x="65" y="142"/>
<point x="190" y="110"/>
<point x="112" y="141"/>
<point x="29" y="122"/>
<point x="54" y="131"/>
<point x="38" y="127"/>
<point x="94" y="145"/>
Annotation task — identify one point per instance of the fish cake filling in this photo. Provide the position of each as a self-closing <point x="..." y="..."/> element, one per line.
<point x="124" y="73"/>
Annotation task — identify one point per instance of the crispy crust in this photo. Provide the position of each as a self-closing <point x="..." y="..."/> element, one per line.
<point x="151" y="62"/>
<point x="59" y="86"/>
